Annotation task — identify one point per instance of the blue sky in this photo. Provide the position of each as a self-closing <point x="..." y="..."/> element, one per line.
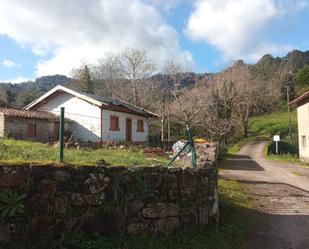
<point x="52" y="37"/>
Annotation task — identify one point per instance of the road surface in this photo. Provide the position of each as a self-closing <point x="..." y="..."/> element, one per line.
<point x="281" y="196"/>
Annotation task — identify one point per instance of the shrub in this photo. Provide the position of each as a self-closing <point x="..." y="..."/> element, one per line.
<point x="283" y="148"/>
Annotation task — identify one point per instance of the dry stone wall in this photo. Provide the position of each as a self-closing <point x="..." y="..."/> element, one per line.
<point x="109" y="200"/>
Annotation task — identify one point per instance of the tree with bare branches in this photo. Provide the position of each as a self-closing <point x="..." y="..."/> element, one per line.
<point x="216" y="117"/>
<point x="187" y="104"/>
<point x="136" y="67"/>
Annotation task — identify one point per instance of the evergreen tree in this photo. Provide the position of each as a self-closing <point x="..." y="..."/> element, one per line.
<point x="83" y="80"/>
<point x="301" y="80"/>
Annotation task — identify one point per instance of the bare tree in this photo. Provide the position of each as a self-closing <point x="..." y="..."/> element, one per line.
<point x="217" y="114"/>
<point x="110" y="78"/>
<point x="187" y="104"/>
<point x="248" y="93"/>
<point x="136" y="67"/>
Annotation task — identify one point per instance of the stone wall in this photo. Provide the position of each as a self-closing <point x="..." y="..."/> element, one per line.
<point x="109" y="200"/>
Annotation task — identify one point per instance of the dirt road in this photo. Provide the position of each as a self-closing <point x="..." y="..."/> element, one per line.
<point x="281" y="194"/>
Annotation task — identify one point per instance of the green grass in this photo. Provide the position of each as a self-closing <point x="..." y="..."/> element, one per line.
<point x="264" y="127"/>
<point x="16" y="151"/>
<point x="293" y="159"/>
<point x="297" y="173"/>
<point x="275" y="123"/>
<point x="232" y="233"/>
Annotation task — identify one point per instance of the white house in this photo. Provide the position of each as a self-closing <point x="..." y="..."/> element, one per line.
<point x="302" y="104"/>
<point x="95" y="118"/>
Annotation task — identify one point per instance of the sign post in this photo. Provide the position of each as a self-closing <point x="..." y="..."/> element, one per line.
<point x="276" y="139"/>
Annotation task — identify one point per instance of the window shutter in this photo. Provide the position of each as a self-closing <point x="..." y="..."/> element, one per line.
<point x="31" y="130"/>
<point x="114" y="123"/>
<point x="140" y="125"/>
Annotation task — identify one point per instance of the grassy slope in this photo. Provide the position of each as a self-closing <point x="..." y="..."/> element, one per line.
<point x="275" y="123"/>
<point x="266" y="126"/>
<point x="231" y="234"/>
<point x="13" y="151"/>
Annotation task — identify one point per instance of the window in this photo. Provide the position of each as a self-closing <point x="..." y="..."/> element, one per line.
<point x="114" y="123"/>
<point x="140" y="125"/>
<point x="303" y="141"/>
<point x="31" y="130"/>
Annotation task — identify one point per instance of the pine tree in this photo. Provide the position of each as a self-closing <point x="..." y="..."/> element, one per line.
<point x="84" y="80"/>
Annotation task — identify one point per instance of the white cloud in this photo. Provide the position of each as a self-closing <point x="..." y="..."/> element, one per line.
<point x="17" y="79"/>
<point x="235" y="27"/>
<point x="9" y="63"/>
<point x="72" y="32"/>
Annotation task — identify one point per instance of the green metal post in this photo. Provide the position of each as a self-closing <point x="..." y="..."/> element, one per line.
<point x="179" y="152"/>
<point x="193" y="151"/>
<point x="61" y="134"/>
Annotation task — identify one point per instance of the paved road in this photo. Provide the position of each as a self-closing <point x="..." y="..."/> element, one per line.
<point x="281" y="194"/>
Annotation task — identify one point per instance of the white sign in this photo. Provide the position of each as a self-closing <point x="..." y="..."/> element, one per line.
<point x="276" y="138"/>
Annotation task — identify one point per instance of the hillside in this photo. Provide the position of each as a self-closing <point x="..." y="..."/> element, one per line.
<point x="18" y="95"/>
<point x="267" y="69"/>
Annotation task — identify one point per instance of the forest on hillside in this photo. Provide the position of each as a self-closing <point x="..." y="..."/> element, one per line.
<point x="216" y="105"/>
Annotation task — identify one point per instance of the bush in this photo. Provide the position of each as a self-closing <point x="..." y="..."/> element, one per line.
<point x="283" y="148"/>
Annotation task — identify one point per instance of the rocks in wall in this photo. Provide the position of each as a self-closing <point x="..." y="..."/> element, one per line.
<point x="111" y="200"/>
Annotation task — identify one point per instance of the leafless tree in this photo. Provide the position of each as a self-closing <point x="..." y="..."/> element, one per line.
<point x="136" y="67"/>
<point x="187" y="104"/>
<point x="217" y="117"/>
<point x="247" y="93"/>
<point x="109" y="76"/>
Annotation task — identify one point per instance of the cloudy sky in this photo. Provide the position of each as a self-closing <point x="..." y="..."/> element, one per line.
<point x="53" y="36"/>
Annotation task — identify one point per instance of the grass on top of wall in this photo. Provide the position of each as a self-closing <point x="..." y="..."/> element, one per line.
<point x="232" y="232"/>
<point x="16" y="151"/>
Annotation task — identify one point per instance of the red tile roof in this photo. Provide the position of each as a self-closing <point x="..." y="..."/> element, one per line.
<point x="11" y="112"/>
<point x="300" y="98"/>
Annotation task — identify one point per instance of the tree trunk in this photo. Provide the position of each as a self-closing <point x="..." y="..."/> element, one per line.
<point x="162" y="119"/>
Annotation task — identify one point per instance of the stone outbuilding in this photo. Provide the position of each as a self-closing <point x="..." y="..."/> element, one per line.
<point x="30" y="125"/>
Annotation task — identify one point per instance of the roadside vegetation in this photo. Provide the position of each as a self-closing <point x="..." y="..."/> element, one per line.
<point x="277" y="123"/>
<point x="232" y="233"/>
<point x="16" y="151"/>
<point x="263" y="127"/>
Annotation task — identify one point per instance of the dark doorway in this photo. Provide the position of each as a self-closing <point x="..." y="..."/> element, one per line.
<point x="128" y="130"/>
<point x="56" y="131"/>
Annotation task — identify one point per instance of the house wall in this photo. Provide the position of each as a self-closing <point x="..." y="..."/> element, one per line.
<point x="86" y="116"/>
<point x="18" y="128"/>
<point x="303" y="130"/>
<point x="109" y="135"/>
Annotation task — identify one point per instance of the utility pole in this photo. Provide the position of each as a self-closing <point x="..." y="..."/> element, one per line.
<point x="289" y="111"/>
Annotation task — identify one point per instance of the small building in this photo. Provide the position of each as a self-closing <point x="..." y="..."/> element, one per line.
<point x="30" y="125"/>
<point x="302" y="104"/>
<point x="95" y="118"/>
